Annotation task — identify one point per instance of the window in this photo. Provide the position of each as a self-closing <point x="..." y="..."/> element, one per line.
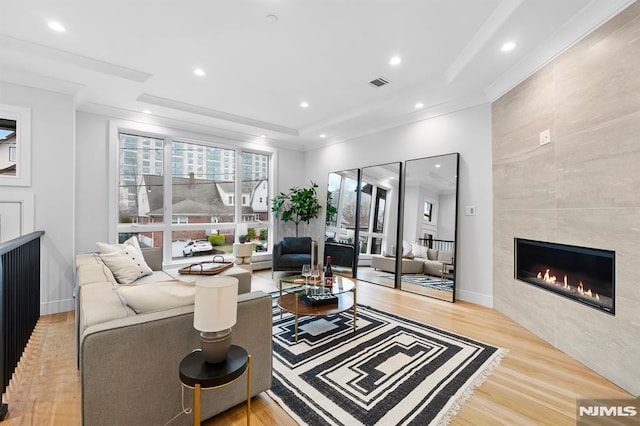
<point x="197" y="197"/>
<point x="140" y="190"/>
<point x="180" y="219"/>
<point x="428" y="210"/>
<point x="12" y="153"/>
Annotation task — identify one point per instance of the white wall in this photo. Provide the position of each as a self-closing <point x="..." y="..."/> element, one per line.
<point x="92" y="181"/>
<point x="467" y="132"/>
<point x="52" y="186"/>
<point x="446" y="224"/>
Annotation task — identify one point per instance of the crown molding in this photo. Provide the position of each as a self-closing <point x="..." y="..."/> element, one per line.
<point x="23" y="46"/>
<point x="195" y="109"/>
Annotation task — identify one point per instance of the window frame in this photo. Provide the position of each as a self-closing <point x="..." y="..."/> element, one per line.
<point x="169" y="135"/>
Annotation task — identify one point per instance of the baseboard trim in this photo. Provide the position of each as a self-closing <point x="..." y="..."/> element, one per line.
<point x="56" y="306"/>
<point x="473" y="297"/>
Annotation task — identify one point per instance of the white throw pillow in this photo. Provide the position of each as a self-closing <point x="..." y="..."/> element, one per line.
<point x="419" y="250"/>
<point x="157" y="296"/>
<point x="406" y="250"/>
<point x="110" y="248"/>
<point x="126" y="265"/>
<point x="125" y="260"/>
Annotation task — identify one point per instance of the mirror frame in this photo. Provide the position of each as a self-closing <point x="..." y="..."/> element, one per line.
<point x="457" y="209"/>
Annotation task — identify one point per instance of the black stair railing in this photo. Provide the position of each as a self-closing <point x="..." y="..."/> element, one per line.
<point x="19" y="301"/>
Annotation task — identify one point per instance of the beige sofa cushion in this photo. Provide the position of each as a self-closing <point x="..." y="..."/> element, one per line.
<point x="157" y="296"/>
<point x="89" y="273"/>
<point x="100" y="304"/>
<point x="445" y="257"/>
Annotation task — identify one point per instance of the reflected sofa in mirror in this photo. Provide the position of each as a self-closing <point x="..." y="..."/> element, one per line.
<point x="429" y="228"/>
<point x="341" y="221"/>
<point x="378" y="225"/>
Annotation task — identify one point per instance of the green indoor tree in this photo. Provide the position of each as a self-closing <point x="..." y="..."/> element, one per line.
<point x="298" y="205"/>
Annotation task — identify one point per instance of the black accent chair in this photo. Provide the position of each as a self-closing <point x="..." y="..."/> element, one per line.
<point x="341" y="254"/>
<point x="293" y="252"/>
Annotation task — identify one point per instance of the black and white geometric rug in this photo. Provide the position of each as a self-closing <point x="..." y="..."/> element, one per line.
<point x="391" y="371"/>
<point x="426" y="280"/>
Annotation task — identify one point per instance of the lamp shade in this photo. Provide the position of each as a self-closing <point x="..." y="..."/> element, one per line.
<point x="216" y="304"/>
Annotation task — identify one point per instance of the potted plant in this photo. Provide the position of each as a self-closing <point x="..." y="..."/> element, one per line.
<point x="298" y="205"/>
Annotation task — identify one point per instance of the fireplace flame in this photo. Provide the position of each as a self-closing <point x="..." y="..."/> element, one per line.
<point x="551" y="279"/>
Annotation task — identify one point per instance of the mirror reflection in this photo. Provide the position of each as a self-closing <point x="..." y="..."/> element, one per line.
<point x="8" y="147"/>
<point x="341" y="221"/>
<point x="378" y="226"/>
<point x="429" y="226"/>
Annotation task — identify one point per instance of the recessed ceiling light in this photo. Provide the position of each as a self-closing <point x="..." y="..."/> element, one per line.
<point x="437" y="166"/>
<point x="508" y="46"/>
<point x="304" y="105"/>
<point x="419" y="105"/>
<point x="323" y="136"/>
<point x="199" y="72"/>
<point x="57" y="26"/>
<point x="263" y="136"/>
<point x="272" y="19"/>
<point x="146" y="111"/>
<point x="395" y="60"/>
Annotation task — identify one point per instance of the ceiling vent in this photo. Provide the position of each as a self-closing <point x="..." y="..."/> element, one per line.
<point x="379" y="82"/>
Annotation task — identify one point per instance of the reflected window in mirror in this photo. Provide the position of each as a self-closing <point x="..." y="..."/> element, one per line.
<point x="428" y="209"/>
<point x="341" y="220"/>
<point x="378" y="227"/>
<point x="429" y="226"/>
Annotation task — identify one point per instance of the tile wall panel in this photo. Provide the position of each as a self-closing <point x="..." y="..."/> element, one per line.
<point x="582" y="189"/>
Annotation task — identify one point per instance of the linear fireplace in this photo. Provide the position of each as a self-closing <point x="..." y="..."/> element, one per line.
<point x="586" y="275"/>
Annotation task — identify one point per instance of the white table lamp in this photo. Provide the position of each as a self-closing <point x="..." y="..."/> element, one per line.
<point x="214" y="313"/>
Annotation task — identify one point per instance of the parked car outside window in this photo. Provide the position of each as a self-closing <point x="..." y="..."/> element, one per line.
<point x="196" y="247"/>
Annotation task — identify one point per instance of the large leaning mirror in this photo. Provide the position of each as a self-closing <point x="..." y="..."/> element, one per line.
<point x="378" y="225"/>
<point x="341" y="221"/>
<point x="429" y="226"/>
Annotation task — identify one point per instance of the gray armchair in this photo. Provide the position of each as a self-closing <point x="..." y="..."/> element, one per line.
<point x="293" y="252"/>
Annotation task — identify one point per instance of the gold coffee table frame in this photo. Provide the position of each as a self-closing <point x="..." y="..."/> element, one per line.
<point x="289" y="300"/>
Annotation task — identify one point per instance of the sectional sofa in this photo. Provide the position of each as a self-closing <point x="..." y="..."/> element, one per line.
<point x="418" y="260"/>
<point x="129" y="358"/>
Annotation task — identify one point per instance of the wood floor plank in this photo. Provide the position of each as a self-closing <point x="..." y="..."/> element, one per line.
<point x="535" y="384"/>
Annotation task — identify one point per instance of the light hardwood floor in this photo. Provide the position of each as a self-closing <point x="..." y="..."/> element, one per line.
<point x="534" y="384"/>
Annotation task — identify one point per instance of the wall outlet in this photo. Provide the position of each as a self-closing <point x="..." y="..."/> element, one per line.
<point x="545" y="137"/>
<point x="470" y="210"/>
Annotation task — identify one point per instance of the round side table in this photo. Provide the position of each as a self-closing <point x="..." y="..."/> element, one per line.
<point x="197" y="374"/>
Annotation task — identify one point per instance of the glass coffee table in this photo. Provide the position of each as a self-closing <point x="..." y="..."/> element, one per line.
<point x="292" y="288"/>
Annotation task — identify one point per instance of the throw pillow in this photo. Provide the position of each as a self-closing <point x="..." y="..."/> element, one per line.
<point x="126" y="265"/>
<point x="125" y="260"/>
<point x="406" y="250"/>
<point x="110" y="248"/>
<point x="432" y="254"/>
<point x="157" y="296"/>
<point x="419" y="250"/>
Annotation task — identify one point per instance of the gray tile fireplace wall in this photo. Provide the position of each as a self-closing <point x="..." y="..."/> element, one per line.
<point x="583" y="189"/>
